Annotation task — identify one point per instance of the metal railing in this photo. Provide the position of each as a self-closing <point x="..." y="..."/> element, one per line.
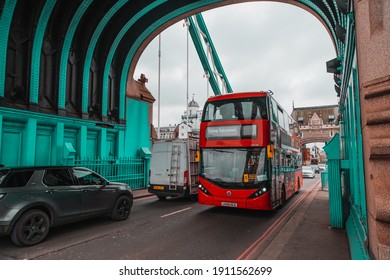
<point x="131" y="171"/>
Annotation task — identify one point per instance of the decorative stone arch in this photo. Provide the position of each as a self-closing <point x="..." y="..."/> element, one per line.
<point x="317" y="123"/>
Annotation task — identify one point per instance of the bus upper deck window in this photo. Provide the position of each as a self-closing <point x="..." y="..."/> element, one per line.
<point x="259" y="110"/>
<point x="238" y="111"/>
<point x="226" y="112"/>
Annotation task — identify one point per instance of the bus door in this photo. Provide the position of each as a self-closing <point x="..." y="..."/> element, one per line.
<point x="289" y="175"/>
<point x="275" y="176"/>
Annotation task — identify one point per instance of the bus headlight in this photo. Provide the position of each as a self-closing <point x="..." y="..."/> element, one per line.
<point x="203" y="189"/>
<point x="259" y="192"/>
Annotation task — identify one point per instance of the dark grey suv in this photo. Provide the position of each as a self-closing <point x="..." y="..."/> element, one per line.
<point x="34" y="199"/>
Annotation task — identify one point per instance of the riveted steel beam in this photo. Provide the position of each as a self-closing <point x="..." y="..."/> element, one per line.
<point x="37" y="49"/>
<point x="147" y="32"/>
<point x="91" y="48"/>
<point x="110" y="56"/>
<point x="216" y="60"/>
<point x="5" y="23"/>
<point x="66" y="48"/>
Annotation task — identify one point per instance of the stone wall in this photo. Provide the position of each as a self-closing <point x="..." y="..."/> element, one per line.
<point x="373" y="53"/>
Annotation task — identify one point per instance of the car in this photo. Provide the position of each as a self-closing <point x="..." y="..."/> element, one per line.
<point x="315" y="168"/>
<point x="308" y="172"/>
<point x="322" y="167"/>
<point x="34" y="199"/>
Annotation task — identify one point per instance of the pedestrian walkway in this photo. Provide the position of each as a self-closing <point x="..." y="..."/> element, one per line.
<point x="308" y="236"/>
<point x="305" y="235"/>
<point x="141" y="193"/>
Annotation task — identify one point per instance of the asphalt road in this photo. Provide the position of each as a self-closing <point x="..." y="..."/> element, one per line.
<point x="158" y="230"/>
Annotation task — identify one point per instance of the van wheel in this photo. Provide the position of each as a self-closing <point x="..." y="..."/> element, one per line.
<point x="31" y="228"/>
<point x="121" y="210"/>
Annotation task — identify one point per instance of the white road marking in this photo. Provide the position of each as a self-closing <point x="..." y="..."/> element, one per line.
<point x="176" y="212"/>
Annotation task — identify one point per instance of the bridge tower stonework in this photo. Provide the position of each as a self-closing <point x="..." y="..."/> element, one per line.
<point x="316" y="124"/>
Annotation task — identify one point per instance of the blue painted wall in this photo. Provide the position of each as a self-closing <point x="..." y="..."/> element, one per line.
<point x="138" y="128"/>
<point x="29" y="138"/>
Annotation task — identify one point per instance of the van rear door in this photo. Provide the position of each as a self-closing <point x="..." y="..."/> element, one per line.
<point x="160" y="164"/>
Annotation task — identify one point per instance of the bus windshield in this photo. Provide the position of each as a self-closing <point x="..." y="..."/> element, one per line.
<point x="234" y="168"/>
<point x="236" y="109"/>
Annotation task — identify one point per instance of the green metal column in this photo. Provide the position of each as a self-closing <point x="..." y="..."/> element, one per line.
<point x="82" y="141"/>
<point x="146" y="154"/>
<point x="103" y="143"/>
<point x="324" y="179"/>
<point x="356" y="223"/>
<point x="59" y="143"/>
<point x="332" y="149"/>
<point x="29" y="142"/>
<point x="1" y="134"/>
<point x="120" y="141"/>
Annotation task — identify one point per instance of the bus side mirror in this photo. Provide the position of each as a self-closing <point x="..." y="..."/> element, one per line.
<point x="270" y="151"/>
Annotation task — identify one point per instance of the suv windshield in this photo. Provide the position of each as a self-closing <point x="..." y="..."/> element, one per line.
<point x="3" y="174"/>
<point x="232" y="168"/>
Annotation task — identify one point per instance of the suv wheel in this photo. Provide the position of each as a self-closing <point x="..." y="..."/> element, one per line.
<point x="121" y="209"/>
<point x="31" y="228"/>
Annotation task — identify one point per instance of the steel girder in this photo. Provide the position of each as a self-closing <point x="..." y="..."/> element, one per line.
<point x="82" y="52"/>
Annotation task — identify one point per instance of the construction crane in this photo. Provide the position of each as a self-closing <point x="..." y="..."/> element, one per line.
<point x="211" y="64"/>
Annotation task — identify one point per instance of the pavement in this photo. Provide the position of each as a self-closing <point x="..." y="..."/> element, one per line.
<point x="302" y="233"/>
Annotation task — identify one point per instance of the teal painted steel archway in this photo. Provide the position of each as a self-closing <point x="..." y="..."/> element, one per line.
<point x="328" y="13"/>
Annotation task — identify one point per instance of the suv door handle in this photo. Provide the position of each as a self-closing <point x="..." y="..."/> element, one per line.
<point x="51" y="191"/>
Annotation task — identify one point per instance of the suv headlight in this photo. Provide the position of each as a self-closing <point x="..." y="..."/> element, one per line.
<point x="2" y="195"/>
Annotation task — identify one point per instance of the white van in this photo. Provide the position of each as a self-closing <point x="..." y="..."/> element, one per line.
<point x="174" y="168"/>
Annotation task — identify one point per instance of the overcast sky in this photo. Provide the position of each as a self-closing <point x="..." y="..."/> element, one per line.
<point x="261" y="45"/>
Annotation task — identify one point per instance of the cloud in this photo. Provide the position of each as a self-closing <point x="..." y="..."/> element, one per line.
<point x="261" y="46"/>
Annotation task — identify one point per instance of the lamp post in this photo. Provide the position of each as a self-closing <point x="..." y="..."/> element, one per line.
<point x="159" y="86"/>
<point x="187" y="24"/>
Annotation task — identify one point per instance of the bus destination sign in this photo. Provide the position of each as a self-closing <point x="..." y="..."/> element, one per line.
<point x="231" y="132"/>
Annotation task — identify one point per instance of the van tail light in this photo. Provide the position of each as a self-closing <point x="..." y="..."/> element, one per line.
<point x="186" y="178"/>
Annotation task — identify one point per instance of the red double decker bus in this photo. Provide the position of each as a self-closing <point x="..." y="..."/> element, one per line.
<point x="249" y="153"/>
